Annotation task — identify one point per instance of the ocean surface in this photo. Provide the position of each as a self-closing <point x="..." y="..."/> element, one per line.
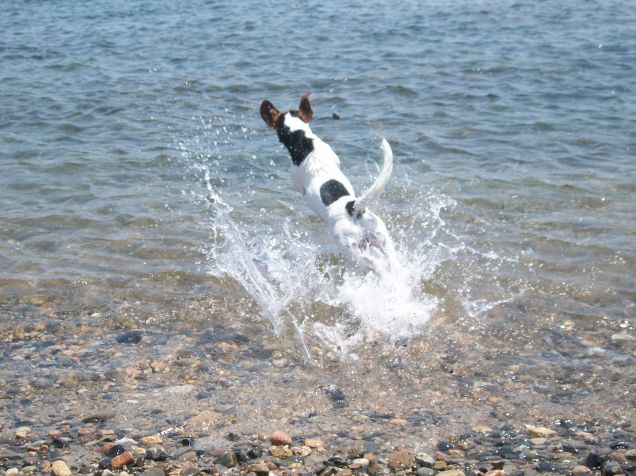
<point x="141" y="191"/>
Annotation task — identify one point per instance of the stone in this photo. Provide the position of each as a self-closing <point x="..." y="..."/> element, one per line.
<point x="154" y="471"/>
<point x="595" y="459"/>
<point x="302" y="451"/>
<point x="440" y="465"/>
<point x="451" y="472"/>
<point x="574" y="446"/>
<point x="281" y="452"/>
<point x="130" y="337"/>
<point x="122" y="460"/>
<point x="229" y="459"/>
<point x="425" y="460"/>
<point x="60" y="468"/>
<point x="260" y="469"/>
<point x="359" y="463"/>
<point x="611" y="468"/>
<point x="580" y="470"/>
<point x="540" y="431"/>
<point x="630" y="455"/>
<point x="156" y="453"/>
<point x="425" y="472"/>
<point x="495" y="472"/>
<point x="151" y="440"/>
<point x="538" y="441"/>
<point x="280" y="438"/>
<point x="401" y="459"/>
<point x="314" y="443"/>
<point x="12" y="472"/>
<point x="203" y="422"/>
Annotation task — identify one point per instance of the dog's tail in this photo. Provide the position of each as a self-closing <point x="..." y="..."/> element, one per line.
<point x="378" y="187"/>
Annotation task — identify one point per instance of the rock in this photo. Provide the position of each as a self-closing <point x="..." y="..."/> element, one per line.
<point x="595" y="459"/>
<point x="12" y="472"/>
<point x="444" y="446"/>
<point x="98" y="417"/>
<point x="336" y="394"/>
<point x="280" y="438"/>
<point x="540" y="431"/>
<point x="302" y="451"/>
<point x="229" y="459"/>
<point x="538" y="441"/>
<point x="401" y="459"/>
<point x="619" y="445"/>
<point x="154" y="471"/>
<point x="122" y="460"/>
<point x="130" y="337"/>
<point x="483" y="429"/>
<point x="630" y="455"/>
<point x="151" y="440"/>
<point x="60" y="468"/>
<point x="495" y="472"/>
<point x="574" y="446"/>
<point x="580" y="470"/>
<point x="425" y="460"/>
<point x="314" y="443"/>
<point x="425" y="472"/>
<point x="611" y="468"/>
<point x="359" y="463"/>
<point x="260" y="469"/>
<point x="281" y="452"/>
<point x="451" y="472"/>
<point x="203" y="422"/>
<point x="156" y="453"/>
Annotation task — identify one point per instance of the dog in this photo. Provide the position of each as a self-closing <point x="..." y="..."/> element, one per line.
<point x="315" y="171"/>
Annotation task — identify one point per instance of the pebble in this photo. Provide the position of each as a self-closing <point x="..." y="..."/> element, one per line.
<point x="12" y="472"/>
<point x="401" y="459"/>
<point x="314" y="443"/>
<point x="451" y="472"/>
<point x="281" y="452"/>
<point x="612" y="468"/>
<point x="580" y="470"/>
<point x="151" y="440"/>
<point x="60" y="468"/>
<point x="425" y="472"/>
<point x="122" y="460"/>
<point x="359" y="463"/>
<point x="540" y="431"/>
<point x="260" y="469"/>
<point x="280" y="438"/>
<point x="425" y="460"/>
<point x="228" y="459"/>
<point x="156" y="453"/>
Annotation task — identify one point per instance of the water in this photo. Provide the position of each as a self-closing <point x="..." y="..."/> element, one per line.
<point x="141" y="189"/>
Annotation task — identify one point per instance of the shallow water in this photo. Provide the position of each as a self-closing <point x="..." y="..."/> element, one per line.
<point x="140" y="189"/>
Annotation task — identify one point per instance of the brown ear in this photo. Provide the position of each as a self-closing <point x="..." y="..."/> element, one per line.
<point x="304" y="110"/>
<point x="269" y="113"/>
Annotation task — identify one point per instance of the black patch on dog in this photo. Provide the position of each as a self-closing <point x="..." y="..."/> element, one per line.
<point x="332" y="190"/>
<point x="298" y="145"/>
<point x="351" y="209"/>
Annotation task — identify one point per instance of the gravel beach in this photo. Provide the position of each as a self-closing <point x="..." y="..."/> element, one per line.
<point x="122" y="399"/>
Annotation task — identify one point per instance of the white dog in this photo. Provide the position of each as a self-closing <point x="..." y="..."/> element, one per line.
<point x="316" y="174"/>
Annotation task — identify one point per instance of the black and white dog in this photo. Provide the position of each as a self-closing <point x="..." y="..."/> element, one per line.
<point x="315" y="171"/>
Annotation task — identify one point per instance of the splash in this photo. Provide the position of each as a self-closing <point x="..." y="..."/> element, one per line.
<point x="286" y="263"/>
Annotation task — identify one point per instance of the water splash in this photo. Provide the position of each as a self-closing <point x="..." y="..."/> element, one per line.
<point x="283" y="259"/>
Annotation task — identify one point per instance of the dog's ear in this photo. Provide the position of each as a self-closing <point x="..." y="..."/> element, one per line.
<point x="269" y="113"/>
<point x="304" y="110"/>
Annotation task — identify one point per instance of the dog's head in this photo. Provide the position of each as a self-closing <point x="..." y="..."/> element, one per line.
<point x="292" y="127"/>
